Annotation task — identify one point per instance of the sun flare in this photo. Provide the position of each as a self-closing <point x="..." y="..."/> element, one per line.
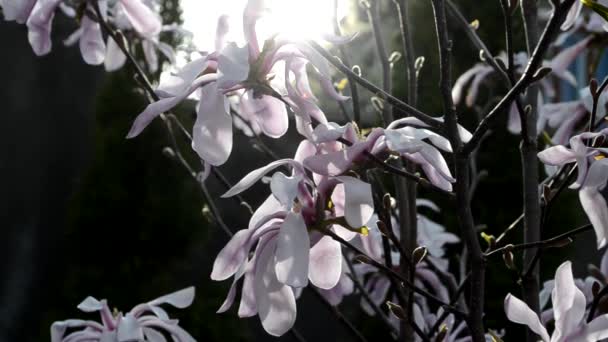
<point x="297" y="19"/>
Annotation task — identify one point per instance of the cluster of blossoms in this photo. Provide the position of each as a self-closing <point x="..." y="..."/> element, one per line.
<point x="145" y="322"/>
<point x="137" y="16"/>
<point x="322" y="199"/>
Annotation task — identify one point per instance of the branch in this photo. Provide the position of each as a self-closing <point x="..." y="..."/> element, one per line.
<point x="557" y="17"/>
<point x="400" y="105"/>
<point x="462" y="166"/>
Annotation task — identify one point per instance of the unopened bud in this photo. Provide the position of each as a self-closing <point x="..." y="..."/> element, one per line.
<point x="443" y="332"/>
<point x="357" y="70"/>
<point x="396" y="310"/>
<point x="382" y="228"/>
<point x="419" y="254"/>
<point x="593" y="85"/>
<point x="168" y="152"/>
<point x="419" y="64"/>
<point x="363" y="259"/>
<point x="508" y="259"/>
<point x="386" y="201"/>
<point x="394" y="57"/>
<point x="474" y="24"/>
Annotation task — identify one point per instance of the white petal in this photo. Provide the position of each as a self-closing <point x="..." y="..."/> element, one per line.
<point x="518" y="312"/>
<point x="292" y="254"/>
<point x="285" y="188"/>
<point x="232" y="256"/>
<point x="115" y="58"/>
<point x="233" y="65"/>
<point x="144" y="20"/>
<point x="254" y="176"/>
<point x="597" y="329"/>
<point x="325" y="263"/>
<point x="556" y="155"/>
<point x="212" y="132"/>
<point x="276" y="303"/>
<point x="129" y="329"/>
<point x="92" y="46"/>
<point x="179" y="299"/>
<point x="358" y="201"/>
<point x="568" y="301"/>
<point x="90" y="304"/>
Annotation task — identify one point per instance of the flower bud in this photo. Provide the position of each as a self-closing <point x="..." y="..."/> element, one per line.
<point x="396" y="310"/>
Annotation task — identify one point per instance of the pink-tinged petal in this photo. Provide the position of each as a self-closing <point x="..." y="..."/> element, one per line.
<point x="180" y="299"/>
<point x="305" y="149"/>
<point x="92" y="46"/>
<point x="436" y="160"/>
<point x="175" y="84"/>
<point x="338" y="199"/>
<point x="401" y="141"/>
<point x="518" y="312"/>
<point x="90" y="304"/>
<point x="358" y="201"/>
<point x="58" y="329"/>
<point x="560" y="63"/>
<point x="271" y="115"/>
<point x="336" y="163"/>
<point x="212" y="132"/>
<point x="463" y="80"/>
<point x="433" y="175"/>
<point x="594" y="203"/>
<point x="597" y="329"/>
<point x="285" y="188"/>
<point x="325" y="263"/>
<point x="248" y="305"/>
<point x="144" y="20"/>
<point x="330" y="131"/>
<point x="292" y="254"/>
<point x="232" y="292"/>
<point x="232" y="256"/>
<point x="221" y="31"/>
<point x="255" y="175"/>
<point x="129" y="329"/>
<point x="330" y="90"/>
<point x="276" y="303"/>
<point x="39" y="26"/>
<point x="569" y="302"/>
<point x="475" y="84"/>
<point x="157" y="108"/>
<point x="604" y="264"/>
<point x="269" y="206"/>
<point x="18" y="10"/>
<point x="150" y="55"/>
<point x="572" y="16"/>
<point x="115" y="58"/>
<point x="153" y="335"/>
<point x="254" y="10"/>
<point x="557" y="155"/>
<point x="233" y="65"/>
<point x="514" y="122"/>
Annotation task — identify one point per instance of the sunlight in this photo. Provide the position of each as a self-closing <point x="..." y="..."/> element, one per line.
<point x="297" y="19"/>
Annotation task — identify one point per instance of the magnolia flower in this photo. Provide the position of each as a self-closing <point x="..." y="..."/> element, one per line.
<point x="287" y="256"/>
<point x="569" y="307"/>
<point x="593" y="202"/>
<point x="17" y="10"/>
<point x="559" y="64"/>
<point x="143" y="323"/>
<point x="92" y="46"/>
<point x="334" y="158"/>
<point x="574" y="19"/>
<point x="578" y="152"/>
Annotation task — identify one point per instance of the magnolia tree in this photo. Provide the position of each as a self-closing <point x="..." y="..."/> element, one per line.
<point x="342" y="215"/>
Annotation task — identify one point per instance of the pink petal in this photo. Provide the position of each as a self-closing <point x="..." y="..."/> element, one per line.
<point x="325" y="263"/>
<point x="358" y="201"/>
<point x="232" y="256"/>
<point x="557" y="155"/>
<point x="115" y="58"/>
<point x="144" y="20"/>
<point x="518" y="312"/>
<point x="212" y="132"/>
<point x="255" y="175"/>
<point x="276" y="303"/>
<point x="292" y="254"/>
<point x="92" y="46"/>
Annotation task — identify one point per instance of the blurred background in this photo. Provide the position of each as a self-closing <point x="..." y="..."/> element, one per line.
<point x="86" y="212"/>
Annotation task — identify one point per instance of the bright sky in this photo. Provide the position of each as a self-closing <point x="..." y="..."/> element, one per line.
<point x="294" y="18"/>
